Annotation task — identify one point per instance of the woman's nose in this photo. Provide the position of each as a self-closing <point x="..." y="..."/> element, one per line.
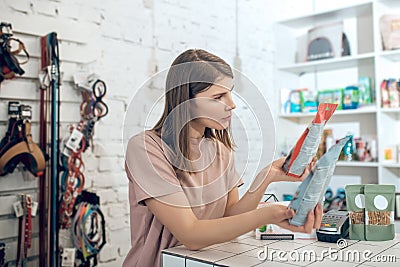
<point x="229" y="103"/>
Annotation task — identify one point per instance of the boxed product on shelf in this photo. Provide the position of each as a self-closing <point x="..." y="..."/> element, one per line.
<point x="331" y="96"/>
<point x="310" y="103"/>
<point x="390" y="97"/>
<point x="385" y="102"/>
<point x="327" y="41"/>
<point x="365" y="90"/>
<point x="389" y="154"/>
<point x="390" y="30"/>
<point x="393" y="93"/>
<point x="296" y="100"/>
<point x="350" y="97"/>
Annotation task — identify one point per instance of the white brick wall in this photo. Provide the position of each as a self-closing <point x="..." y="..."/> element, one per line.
<point x="116" y="39"/>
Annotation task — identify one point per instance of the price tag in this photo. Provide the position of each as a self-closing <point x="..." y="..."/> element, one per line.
<point x="74" y="140"/>
<point x="34" y="208"/>
<point x="68" y="257"/>
<point x="19" y="210"/>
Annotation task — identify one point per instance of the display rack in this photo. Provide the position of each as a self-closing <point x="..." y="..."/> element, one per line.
<point x="361" y="25"/>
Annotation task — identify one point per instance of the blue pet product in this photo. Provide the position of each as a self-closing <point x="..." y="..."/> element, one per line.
<point x="312" y="189"/>
<point x="348" y="149"/>
<point x="296" y="100"/>
<point x="351" y="97"/>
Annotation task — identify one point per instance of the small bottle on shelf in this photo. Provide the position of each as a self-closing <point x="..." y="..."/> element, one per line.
<point x="348" y="150"/>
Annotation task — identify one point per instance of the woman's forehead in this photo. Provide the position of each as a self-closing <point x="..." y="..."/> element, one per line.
<point x="220" y="86"/>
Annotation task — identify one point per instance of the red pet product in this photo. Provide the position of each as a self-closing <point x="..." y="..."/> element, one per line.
<point x="306" y="147"/>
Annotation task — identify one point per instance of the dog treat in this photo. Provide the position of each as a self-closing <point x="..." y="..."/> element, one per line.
<point x="357" y="217"/>
<point x="307" y="145"/>
<point x="312" y="189"/>
<point x="379" y="217"/>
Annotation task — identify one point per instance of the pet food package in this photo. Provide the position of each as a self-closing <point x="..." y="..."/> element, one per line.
<point x="371" y="210"/>
<point x="313" y="188"/>
<point x="355" y="201"/>
<point x="389" y="25"/>
<point x="379" y="212"/>
<point x="306" y="147"/>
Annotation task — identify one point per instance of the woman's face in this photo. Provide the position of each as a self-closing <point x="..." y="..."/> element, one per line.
<point x="213" y="107"/>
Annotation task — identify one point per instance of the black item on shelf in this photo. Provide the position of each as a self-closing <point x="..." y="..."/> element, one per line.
<point x="319" y="48"/>
<point x="17" y="145"/>
<point x="9" y="64"/>
<point x="2" y="253"/>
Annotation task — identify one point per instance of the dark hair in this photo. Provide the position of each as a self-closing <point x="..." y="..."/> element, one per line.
<point x="192" y="72"/>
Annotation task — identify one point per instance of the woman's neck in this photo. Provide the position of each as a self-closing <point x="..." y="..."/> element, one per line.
<point x="195" y="131"/>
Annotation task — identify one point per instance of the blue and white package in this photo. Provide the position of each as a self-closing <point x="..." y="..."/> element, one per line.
<point x="312" y="189"/>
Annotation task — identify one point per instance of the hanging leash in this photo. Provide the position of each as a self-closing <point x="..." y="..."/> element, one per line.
<point x="92" y="109"/>
<point x="23" y="210"/>
<point x="73" y="179"/>
<point x="88" y="229"/>
<point x="50" y="81"/>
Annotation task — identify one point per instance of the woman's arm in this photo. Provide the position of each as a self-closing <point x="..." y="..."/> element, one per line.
<point x="196" y="234"/>
<point x="268" y="175"/>
<point x="250" y="200"/>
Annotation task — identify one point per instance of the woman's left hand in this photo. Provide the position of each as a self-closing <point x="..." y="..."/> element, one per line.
<point x="276" y="174"/>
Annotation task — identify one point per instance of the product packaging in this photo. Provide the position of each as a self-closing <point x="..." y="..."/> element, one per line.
<point x="371" y="210"/>
<point x="393" y="93"/>
<point x="385" y="102"/>
<point x="332" y="96"/>
<point x="313" y="188"/>
<point x="351" y="97"/>
<point x="355" y="201"/>
<point x="306" y="147"/>
<point x="365" y="90"/>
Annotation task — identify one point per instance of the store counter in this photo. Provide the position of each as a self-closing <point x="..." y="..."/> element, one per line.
<point x="247" y="251"/>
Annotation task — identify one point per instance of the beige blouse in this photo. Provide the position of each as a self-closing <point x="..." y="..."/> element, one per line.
<point x="152" y="175"/>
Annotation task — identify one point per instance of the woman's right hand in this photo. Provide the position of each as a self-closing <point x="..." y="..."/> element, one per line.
<point x="280" y="216"/>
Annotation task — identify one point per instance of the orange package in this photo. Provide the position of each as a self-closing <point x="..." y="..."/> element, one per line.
<point x="306" y="147"/>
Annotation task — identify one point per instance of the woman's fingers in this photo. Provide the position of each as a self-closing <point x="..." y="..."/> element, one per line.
<point x="318" y="215"/>
<point x="308" y="226"/>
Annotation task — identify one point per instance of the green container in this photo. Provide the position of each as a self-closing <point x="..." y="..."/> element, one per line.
<point x="331" y="96"/>
<point x="371" y="209"/>
<point x="355" y="201"/>
<point x="379" y="212"/>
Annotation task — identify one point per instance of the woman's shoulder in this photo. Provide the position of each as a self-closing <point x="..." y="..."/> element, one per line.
<point x="144" y="137"/>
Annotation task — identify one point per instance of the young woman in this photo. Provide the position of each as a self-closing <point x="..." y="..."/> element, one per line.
<point x="183" y="185"/>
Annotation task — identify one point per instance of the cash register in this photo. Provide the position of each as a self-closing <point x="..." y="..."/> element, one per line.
<point x="334" y="226"/>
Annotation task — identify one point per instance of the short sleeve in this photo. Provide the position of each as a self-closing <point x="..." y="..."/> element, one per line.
<point x="148" y="169"/>
<point x="233" y="175"/>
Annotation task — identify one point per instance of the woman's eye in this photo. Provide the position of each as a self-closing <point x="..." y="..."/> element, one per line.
<point x="218" y="97"/>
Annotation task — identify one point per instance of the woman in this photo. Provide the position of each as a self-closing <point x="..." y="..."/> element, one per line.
<point x="183" y="185"/>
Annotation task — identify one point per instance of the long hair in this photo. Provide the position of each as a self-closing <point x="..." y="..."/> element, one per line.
<point x="192" y="72"/>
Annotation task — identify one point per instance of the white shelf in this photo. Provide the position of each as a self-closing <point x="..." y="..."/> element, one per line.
<point x="329" y="64"/>
<point x="333" y="14"/>
<point x="362" y="110"/>
<point x="393" y="55"/>
<point x="390" y="110"/>
<point x="391" y="165"/>
<point x="357" y="164"/>
<point x="363" y="31"/>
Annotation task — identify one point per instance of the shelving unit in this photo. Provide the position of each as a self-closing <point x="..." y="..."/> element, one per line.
<point x="328" y="64"/>
<point x="361" y="25"/>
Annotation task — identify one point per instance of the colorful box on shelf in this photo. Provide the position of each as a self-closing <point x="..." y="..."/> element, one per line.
<point x="332" y="96"/>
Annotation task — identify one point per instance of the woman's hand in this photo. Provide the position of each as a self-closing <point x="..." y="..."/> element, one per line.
<point x="276" y="174"/>
<point x="281" y="215"/>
